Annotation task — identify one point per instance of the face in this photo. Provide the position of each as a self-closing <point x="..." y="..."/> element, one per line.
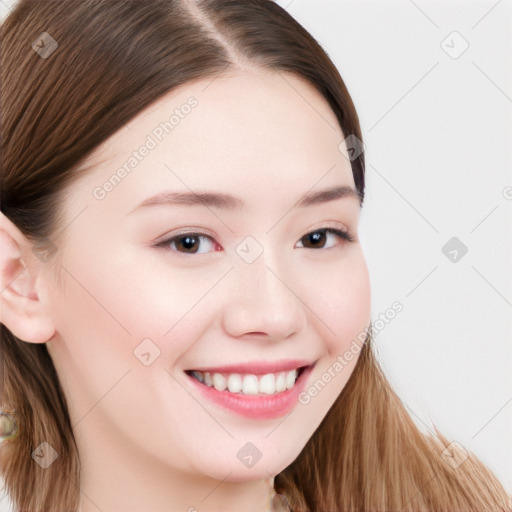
<point x="259" y="277"/>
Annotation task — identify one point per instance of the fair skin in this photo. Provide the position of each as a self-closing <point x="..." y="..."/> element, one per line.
<point x="147" y="439"/>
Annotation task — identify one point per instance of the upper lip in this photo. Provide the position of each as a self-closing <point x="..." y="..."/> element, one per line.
<point x="256" y="367"/>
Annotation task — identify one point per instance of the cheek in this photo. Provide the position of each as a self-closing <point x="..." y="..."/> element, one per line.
<point x="342" y="306"/>
<point x="133" y="297"/>
<point x="108" y="315"/>
<point x="341" y="302"/>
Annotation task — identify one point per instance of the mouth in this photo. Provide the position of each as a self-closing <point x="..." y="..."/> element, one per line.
<point x="258" y="390"/>
<point x="264" y="384"/>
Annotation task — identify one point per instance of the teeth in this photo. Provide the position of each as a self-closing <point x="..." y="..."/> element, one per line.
<point x="250" y="386"/>
<point x="280" y="382"/>
<point x="234" y="383"/>
<point x="219" y="382"/>
<point x="268" y="384"/>
<point x="290" y="379"/>
<point x="198" y="376"/>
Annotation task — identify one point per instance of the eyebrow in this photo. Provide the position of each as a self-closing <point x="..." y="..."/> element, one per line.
<point x="229" y="202"/>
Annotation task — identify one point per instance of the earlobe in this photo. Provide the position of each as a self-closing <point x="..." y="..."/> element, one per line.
<point x="21" y="309"/>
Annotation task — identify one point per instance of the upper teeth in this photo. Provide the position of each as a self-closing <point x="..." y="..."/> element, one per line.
<point x="248" y="384"/>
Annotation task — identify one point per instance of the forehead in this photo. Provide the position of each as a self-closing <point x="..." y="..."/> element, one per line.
<point x="248" y="133"/>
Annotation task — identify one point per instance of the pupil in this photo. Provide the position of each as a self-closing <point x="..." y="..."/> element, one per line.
<point x="317" y="237"/>
<point x="189" y="242"/>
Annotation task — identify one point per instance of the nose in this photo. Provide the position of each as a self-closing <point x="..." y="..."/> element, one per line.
<point x="263" y="303"/>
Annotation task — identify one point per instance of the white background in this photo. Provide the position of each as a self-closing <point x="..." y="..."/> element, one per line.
<point x="438" y="141"/>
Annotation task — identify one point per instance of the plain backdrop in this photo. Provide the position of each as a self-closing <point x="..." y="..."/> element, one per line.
<point x="432" y="84"/>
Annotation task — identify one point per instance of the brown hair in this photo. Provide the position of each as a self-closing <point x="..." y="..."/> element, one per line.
<point x="114" y="58"/>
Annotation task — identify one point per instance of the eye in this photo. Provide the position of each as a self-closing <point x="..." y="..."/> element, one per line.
<point x="324" y="238"/>
<point x="191" y="243"/>
<point x="200" y="243"/>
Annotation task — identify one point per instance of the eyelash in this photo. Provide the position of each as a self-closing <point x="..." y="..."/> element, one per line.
<point x="342" y="234"/>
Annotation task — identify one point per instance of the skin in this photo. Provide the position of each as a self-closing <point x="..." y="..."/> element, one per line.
<point x="147" y="439"/>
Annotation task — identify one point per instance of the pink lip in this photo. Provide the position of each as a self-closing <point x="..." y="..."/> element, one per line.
<point x="256" y="406"/>
<point x="257" y="367"/>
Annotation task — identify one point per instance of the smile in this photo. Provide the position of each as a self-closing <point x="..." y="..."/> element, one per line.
<point x="249" y="384"/>
<point x="260" y="394"/>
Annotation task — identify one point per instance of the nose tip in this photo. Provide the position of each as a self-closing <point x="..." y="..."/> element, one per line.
<point x="261" y="303"/>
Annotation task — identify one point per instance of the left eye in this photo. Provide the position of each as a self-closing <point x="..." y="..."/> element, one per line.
<point x="198" y="243"/>
<point x="319" y="238"/>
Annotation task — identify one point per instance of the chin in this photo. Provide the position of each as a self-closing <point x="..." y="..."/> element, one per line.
<point x="238" y="472"/>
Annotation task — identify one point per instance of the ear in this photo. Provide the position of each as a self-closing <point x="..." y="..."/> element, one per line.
<point x="21" y="309"/>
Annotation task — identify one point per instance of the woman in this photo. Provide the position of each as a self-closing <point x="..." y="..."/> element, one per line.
<point x="186" y="304"/>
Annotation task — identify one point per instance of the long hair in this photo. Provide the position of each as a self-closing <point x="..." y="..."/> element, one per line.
<point x="100" y="63"/>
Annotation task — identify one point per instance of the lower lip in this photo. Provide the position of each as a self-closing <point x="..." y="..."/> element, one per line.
<point x="257" y="406"/>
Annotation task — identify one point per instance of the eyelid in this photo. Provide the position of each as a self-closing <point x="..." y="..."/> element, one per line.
<point x="333" y="226"/>
<point x="168" y="237"/>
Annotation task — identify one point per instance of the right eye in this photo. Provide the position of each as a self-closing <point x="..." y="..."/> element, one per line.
<point x="190" y="243"/>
